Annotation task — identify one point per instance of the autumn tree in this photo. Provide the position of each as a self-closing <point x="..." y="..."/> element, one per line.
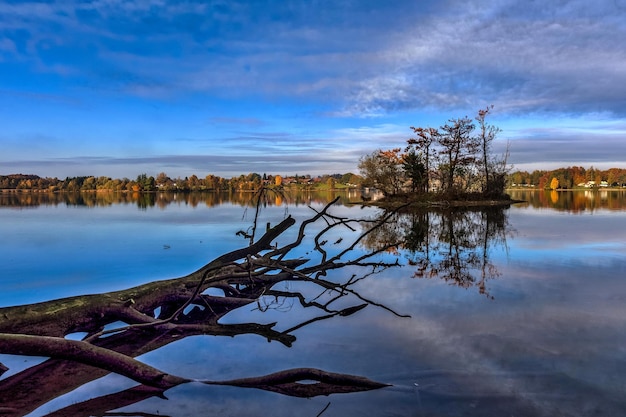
<point x="554" y="184"/>
<point x="598" y="179"/>
<point x="164" y="182"/>
<point x="211" y="182"/>
<point x="194" y="182"/>
<point x="255" y="180"/>
<point x="611" y="176"/>
<point x="102" y="182"/>
<point x="89" y="184"/>
<point x="463" y="161"/>
<point x="383" y="170"/>
<point x="578" y="175"/>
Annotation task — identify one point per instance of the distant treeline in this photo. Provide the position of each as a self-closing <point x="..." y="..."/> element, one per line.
<point x="568" y="178"/>
<point x="561" y="178"/>
<point x="162" y="182"/>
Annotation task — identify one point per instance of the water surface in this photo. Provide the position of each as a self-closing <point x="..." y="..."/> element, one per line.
<point x="529" y="318"/>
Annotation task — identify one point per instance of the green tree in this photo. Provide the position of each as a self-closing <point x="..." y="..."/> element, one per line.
<point x="423" y="143"/>
<point x="415" y="170"/>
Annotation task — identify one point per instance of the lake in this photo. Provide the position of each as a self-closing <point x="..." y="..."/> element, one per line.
<point x="517" y="311"/>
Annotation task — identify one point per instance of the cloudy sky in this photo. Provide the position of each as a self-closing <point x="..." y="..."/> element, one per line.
<point x="119" y="88"/>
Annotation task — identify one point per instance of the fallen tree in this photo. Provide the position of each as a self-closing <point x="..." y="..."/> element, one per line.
<point x="162" y="312"/>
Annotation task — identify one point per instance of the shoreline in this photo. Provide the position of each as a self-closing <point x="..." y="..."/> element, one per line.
<point x="441" y="205"/>
<point x="406" y="202"/>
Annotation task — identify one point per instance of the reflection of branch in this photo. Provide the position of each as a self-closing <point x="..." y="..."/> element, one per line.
<point x="345" y="312"/>
<point x="323" y="410"/>
<point x="41" y="383"/>
<point x="285" y="382"/>
<point x="341" y="288"/>
<point x="83" y="352"/>
<point x="101" y="405"/>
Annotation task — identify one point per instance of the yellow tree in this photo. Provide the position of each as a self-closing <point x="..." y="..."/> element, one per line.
<point x="554" y="184"/>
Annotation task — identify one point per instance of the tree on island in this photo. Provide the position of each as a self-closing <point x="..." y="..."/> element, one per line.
<point x="494" y="168"/>
<point x="451" y="160"/>
<point x="384" y="170"/>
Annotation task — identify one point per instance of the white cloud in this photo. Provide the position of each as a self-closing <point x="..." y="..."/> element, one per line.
<point x="537" y="57"/>
<point x="308" y="69"/>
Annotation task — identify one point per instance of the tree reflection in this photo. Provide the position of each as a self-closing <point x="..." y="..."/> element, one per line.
<point x="145" y="200"/>
<point x="575" y="201"/>
<point x="452" y="244"/>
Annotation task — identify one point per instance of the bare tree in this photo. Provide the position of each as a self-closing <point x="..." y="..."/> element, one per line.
<point x="493" y="169"/>
<point x="457" y="149"/>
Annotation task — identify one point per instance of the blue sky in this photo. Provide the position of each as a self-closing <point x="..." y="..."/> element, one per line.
<point x="119" y="88"/>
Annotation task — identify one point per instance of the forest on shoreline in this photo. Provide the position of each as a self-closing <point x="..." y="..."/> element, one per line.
<point x="162" y="182"/>
<point x="567" y="178"/>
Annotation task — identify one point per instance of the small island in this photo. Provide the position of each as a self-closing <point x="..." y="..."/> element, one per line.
<point x="448" y="166"/>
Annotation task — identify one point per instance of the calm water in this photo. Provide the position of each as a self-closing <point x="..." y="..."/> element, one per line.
<point x="514" y="312"/>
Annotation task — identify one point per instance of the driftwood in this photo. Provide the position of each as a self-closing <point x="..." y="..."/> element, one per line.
<point x="244" y="275"/>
